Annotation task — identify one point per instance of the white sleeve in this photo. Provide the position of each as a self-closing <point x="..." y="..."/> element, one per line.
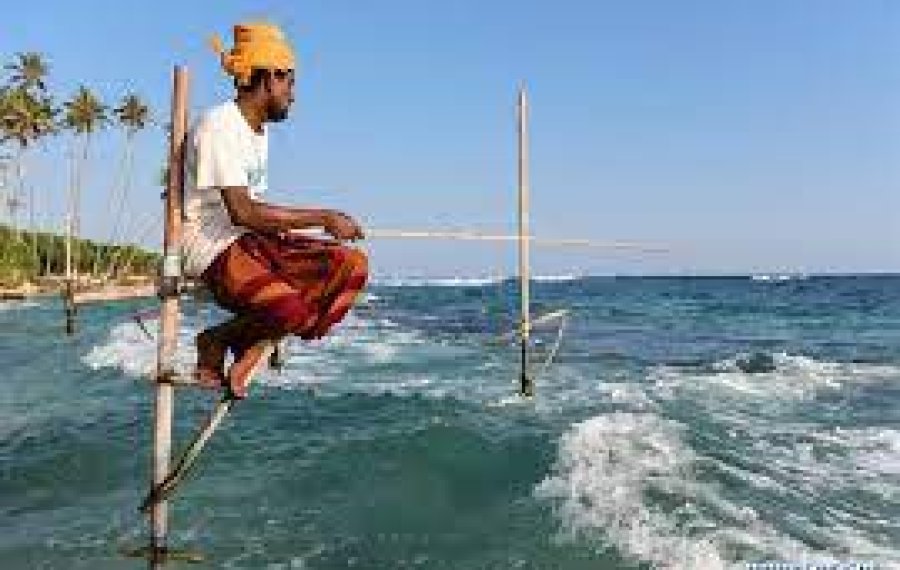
<point x="219" y="162"/>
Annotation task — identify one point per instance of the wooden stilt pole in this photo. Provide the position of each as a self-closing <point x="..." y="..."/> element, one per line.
<point x="171" y="271"/>
<point x="68" y="294"/>
<point x="69" y="306"/>
<point x="190" y="455"/>
<point x="526" y="387"/>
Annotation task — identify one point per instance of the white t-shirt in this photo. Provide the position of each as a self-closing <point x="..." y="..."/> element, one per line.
<point x="222" y="150"/>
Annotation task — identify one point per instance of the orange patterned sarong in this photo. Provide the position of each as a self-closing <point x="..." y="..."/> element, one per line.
<point x="295" y="284"/>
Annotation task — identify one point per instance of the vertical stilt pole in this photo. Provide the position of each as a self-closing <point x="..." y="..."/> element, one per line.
<point x="526" y="384"/>
<point x="68" y="293"/>
<point x="69" y="306"/>
<point x="171" y="270"/>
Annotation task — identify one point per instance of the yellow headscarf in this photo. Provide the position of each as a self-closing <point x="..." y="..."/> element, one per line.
<point x="255" y="45"/>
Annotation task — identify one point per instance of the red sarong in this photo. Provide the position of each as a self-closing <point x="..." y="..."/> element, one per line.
<point x="295" y="284"/>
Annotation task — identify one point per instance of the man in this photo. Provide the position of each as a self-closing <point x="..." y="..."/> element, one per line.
<point x="274" y="280"/>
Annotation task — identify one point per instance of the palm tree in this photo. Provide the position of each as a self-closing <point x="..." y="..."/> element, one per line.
<point x="133" y="115"/>
<point x="5" y="158"/>
<point x="29" y="71"/>
<point x="84" y="115"/>
<point x="29" y="116"/>
<point x="25" y="117"/>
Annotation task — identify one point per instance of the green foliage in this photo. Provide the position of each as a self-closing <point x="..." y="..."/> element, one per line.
<point x="28" y="113"/>
<point x="28" y="71"/>
<point x="25" y="116"/>
<point x="26" y="256"/>
<point x="132" y="113"/>
<point x="85" y="113"/>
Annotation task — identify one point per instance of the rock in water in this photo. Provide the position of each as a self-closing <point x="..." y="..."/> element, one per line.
<point x="756" y="363"/>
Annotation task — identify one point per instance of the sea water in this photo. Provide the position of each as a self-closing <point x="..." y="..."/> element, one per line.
<point x="683" y="423"/>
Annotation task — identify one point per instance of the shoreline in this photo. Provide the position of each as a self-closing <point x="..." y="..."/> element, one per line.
<point x="84" y="294"/>
<point x="115" y="293"/>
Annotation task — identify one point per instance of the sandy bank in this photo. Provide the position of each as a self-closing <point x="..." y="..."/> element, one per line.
<point x="85" y="293"/>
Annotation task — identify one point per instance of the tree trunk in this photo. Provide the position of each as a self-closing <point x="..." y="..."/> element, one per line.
<point x="118" y="210"/>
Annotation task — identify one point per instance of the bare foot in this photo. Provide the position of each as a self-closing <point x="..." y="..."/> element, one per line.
<point x="210" y="372"/>
<point x="245" y="364"/>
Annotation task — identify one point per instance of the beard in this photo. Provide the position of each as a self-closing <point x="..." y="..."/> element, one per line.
<point x="276" y="114"/>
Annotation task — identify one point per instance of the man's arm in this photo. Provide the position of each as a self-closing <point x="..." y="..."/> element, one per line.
<point x="269" y="218"/>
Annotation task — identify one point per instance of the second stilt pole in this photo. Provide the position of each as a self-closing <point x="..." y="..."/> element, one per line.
<point x="526" y="384"/>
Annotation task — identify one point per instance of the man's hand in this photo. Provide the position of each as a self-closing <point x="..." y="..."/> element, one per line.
<point x="342" y="227"/>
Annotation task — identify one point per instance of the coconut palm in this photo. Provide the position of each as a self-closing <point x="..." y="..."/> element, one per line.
<point x="28" y="91"/>
<point x="29" y="71"/>
<point x="25" y="117"/>
<point x="5" y="159"/>
<point x="84" y="115"/>
<point x="27" y="112"/>
<point x="133" y="115"/>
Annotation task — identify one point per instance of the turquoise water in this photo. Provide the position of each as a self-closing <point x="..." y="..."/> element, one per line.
<point x="685" y="423"/>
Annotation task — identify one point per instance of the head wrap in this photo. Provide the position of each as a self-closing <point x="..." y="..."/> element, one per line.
<point x="256" y="45"/>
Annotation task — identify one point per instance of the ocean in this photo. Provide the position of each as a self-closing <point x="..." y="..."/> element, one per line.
<point x="681" y="423"/>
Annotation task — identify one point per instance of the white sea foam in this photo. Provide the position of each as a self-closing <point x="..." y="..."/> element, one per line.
<point x="362" y="358"/>
<point x="563" y="278"/>
<point x="778" y="277"/>
<point x="852" y="459"/>
<point x="355" y="342"/>
<point x="356" y="357"/>
<point x="129" y="349"/>
<point x="126" y="348"/>
<point x="605" y="467"/>
<point x="795" y="377"/>
<point x="624" y="393"/>
<point x="17" y="305"/>
<point x="876" y="451"/>
<point x="609" y="469"/>
<point x="793" y="457"/>
<point x="473" y="281"/>
<point x="436" y="281"/>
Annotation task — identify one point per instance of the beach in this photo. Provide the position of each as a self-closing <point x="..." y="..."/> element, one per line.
<point x="84" y="293"/>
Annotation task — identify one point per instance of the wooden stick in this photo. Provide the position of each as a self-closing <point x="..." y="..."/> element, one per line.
<point x="526" y="387"/>
<point x="189" y="456"/>
<point x="466" y="235"/>
<point x="68" y="293"/>
<point x="164" y="402"/>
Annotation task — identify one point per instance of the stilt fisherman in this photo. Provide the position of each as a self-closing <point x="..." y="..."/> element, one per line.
<point x="274" y="280"/>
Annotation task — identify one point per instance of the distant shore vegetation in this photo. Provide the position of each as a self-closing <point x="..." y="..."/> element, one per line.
<point x="33" y="116"/>
<point x="40" y="258"/>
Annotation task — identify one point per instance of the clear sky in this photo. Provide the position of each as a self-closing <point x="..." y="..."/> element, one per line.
<point x="745" y="135"/>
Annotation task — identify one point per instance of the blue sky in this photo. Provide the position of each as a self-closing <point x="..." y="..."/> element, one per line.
<point x="747" y="136"/>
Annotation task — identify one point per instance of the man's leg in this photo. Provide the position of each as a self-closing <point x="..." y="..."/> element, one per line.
<point x="210" y="370"/>
<point x="249" y="344"/>
<point x="350" y="273"/>
<point x="290" y="294"/>
<point x="212" y="346"/>
<point x="284" y="305"/>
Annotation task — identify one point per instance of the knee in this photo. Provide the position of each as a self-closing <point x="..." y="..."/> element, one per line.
<point x="359" y="262"/>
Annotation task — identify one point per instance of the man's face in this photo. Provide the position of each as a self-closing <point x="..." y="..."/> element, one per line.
<point x="281" y="95"/>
